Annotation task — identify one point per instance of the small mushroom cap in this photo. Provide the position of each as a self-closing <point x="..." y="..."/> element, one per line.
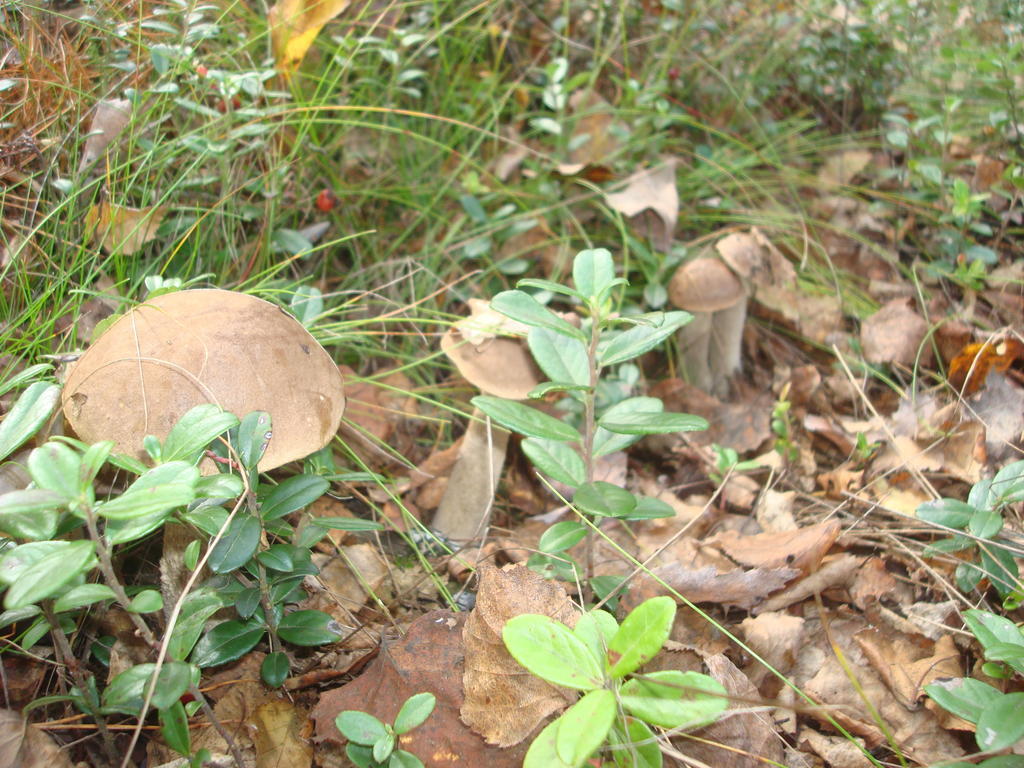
<point x="182" y="349"/>
<point x="704" y="285"/>
<point x="496" y="365"/>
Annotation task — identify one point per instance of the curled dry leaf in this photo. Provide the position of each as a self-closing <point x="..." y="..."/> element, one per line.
<point x="277" y="735"/>
<point x="801" y="548"/>
<point x="743" y="589"/>
<point x="23" y="745"/>
<point x="120" y="229"/>
<point x="182" y="349"/>
<point x="294" y="25"/>
<point x="907" y="663"/>
<point x="110" y="118"/>
<point x="651" y="189"/>
<point x="893" y="334"/>
<point x="504" y="703"/>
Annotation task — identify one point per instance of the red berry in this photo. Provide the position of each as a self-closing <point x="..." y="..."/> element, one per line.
<point x="201" y="70"/>
<point x="326" y="200"/>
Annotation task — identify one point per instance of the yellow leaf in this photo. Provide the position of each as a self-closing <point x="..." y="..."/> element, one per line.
<point x="122" y="229"/>
<point x="294" y="25"/>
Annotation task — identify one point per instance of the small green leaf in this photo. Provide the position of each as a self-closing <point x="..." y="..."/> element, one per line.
<point x="159" y="490"/>
<point x="642" y="634"/>
<point x="30" y="514"/>
<point x="191" y="554"/>
<point x="125" y="692"/>
<point x="294" y="493"/>
<point x="414" y="712"/>
<point x="1008" y="483"/>
<point x="593" y="272"/>
<point x="525" y="420"/>
<point x="147" y="601"/>
<point x="174" y="728"/>
<point x="606" y="442"/>
<point x="562" y="536"/>
<point x="648" y="508"/>
<point x="1001" y="725"/>
<point x="991" y="629"/>
<point x="674" y="699"/>
<point x="604" y="500"/>
<point x="308" y="627"/>
<point x="549" y="650"/>
<point x="275" y="668"/>
<point x="31" y="410"/>
<point x="642" y="338"/>
<point x="556" y="460"/>
<point x="548" y="285"/>
<point x="585" y="726"/>
<point x="219" y="487"/>
<point x="172" y="683"/>
<point x="384" y="746"/>
<point x="637" y="748"/>
<point x="963" y="696"/>
<point x="197" y="608"/>
<point x="196" y="430"/>
<point x="93" y="459"/>
<point x="526" y="309"/>
<point x="654" y="423"/>
<point x="595" y="629"/>
<point x="543" y="751"/>
<point x="56" y="467"/>
<point x="561" y="359"/>
<point x="49" y="574"/>
<point x="81" y="596"/>
<point x="402" y="759"/>
<point x="985" y="523"/>
<point x="237" y="546"/>
<point x="360" y="727"/>
<point x="226" y="642"/>
<point x="948" y="512"/>
<point x="252" y="438"/>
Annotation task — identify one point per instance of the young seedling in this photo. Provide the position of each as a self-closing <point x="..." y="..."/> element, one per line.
<point x="573" y="358"/>
<point x="372" y="743"/>
<point x="596" y="657"/>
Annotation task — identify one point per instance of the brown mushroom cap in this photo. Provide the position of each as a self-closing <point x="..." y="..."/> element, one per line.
<point x="190" y="347"/>
<point x="499" y="366"/>
<point x="704" y="285"/>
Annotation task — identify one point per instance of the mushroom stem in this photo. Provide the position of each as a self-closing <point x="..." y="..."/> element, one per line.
<point x="465" y="509"/>
<point x="724" y="356"/>
<point x="694" y="341"/>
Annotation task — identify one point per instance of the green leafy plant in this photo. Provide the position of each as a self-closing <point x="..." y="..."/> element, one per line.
<point x="995" y="714"/>
<point x="600" y="657"/>
<point x="47" y="570"/>
<point x="727" y="461"/>
<point x="980" y="519"/>
<point x="372" y="742"/>
<point x="574" y="358"/>
<point x="782" y="428"/>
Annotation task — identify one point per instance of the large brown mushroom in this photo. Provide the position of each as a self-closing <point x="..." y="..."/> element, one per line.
<point x="710" y="343"/>
<point x="181" y="349"/>
<point x="496" y="365"/>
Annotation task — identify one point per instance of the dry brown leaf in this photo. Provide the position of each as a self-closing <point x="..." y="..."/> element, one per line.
<point x="840" y="168"/>
<point x="836" y="751"/>
<point x="737" y="739"/>
<point x="801" y="548"/>
<point x="428" y="658"/>
<point x="505" y="703"/>
<point x="776" y="638"/>
<point x="110" y="118"/>
<point x="182" y="349"/>
<point x="277" y="736"/>
<point x="774" y="511"/>
<point x="651" y="189"/>
<point x="907" y="663"/>
<point x="743" y="589"/>
<point x="120" y="229"/>
<point x="836" y="572"/>
<point x="872" y="583"/>
<point x="294" y="25"/>
<point x="818" y="317"/>
<point x="592" y="140"/>
<point x="893" y="334"/>
<point x="350" y="578"/>
<point x="23" y="745"/>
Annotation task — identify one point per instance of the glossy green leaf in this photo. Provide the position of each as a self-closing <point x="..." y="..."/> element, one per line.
<point x="132" y="529"/>
<point x="219" y="487"/>
<point x="642" y="750"/>
<point x="277" y="558"/>
<point x="414" y="712"/>
<point x="275" y="668"/>
<point x="648" y="508"/>
<point x="1008" y="483"/>
<point x="252" y="437"/>
<point x="48" y="575"/>
<point x="641" y="635"/>
<point x="525" y="420"/>
<point x="402" y="759"/>
<point x="674" y="699"/>
<point x="523" y="307"/>
<point x="28" y="414"/>
<point x="360" y="727"/>
<point x="126" y="692"/>
<point x="147" y="601"/>
<point x="549" y="650"/>
<point x="963" y="696"/>
<point x="548" y="285"/>
<point x="346" y="524"/>
<point x="384" y="747"/>
<point x="639" y="339"/>
<point x="173" y="682"/>
<point x="604" y="500"/>
<point x="556" y="460"/>
<point x="237" y="546"/>
<point x="174" y="729"/>
<point x="161" y="489"/>
<point x="985" y="523"/>
<point x="562" y="360"/>
<point x="81" y="596"/>
<point x="93" y="459"/>
<point x="14" y="562"/>
<point x="195" y="430"/>
<point x="56" y="467"/>
<point x="593" y="272"/>
<point x="30" y="514"/>
<point x="294" y="493"/>
<point x="1001" y="724"/>
<point x="948" y="512"/>
<point x="606" y="442"/>
<point x="545" y="388"/>
<point x="991" y="629"/>
<point x="24" y="376"/>
<point x="196" y="610"/>
<point x="543" y="751"/>
<point x="562" y="536"/>
<point x="308" y="627"/>
<point x="654" y="423"/>
<point x="226" y="642"/>
<point x="585" y="726"/>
